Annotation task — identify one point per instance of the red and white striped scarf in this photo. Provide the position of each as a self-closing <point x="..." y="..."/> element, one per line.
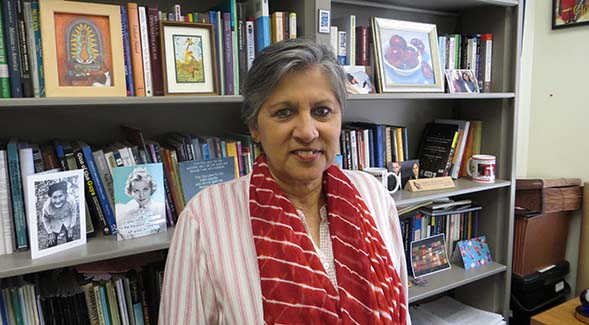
<point x="295" y="286"/>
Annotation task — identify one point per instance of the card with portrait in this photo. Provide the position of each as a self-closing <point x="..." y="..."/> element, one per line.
<point x="139" y="200"/>
<point x="429" y="255"/>
<point x="55" y="211"/>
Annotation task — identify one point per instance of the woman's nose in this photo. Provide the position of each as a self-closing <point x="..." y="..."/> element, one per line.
<point x="305" y="130"/>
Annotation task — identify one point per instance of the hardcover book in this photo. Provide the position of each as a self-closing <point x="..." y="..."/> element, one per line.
<point x="436" y="148"/>
<point x="4" y="81"/>
<point x="12" y="50"/>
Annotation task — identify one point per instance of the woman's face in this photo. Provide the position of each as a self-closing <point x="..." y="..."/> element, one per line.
<point x="58" y="198"/>
<point x="141" y="191"/>
<point x="415" y="170"/>
<point x="299" y="126"/>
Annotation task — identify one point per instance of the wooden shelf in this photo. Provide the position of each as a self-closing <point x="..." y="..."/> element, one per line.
<point x="97" y="249"/>
<point x="455" y="277"/>
<point x="463" y="186"/>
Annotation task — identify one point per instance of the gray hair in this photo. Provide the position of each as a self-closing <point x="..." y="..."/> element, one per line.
<point x="282" y="58"/>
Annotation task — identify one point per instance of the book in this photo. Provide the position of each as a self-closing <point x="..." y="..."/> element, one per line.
<point x="436" y="149"/>
<point x="463" y="133"/>
<point x="292" y="25"/>
<point x="31" y="47"/>
<point x="228" y="55"/>
<point x="242" y="40"/>
<point x="7" y="222"/>
<point x="362" y="47"/>
<point x="486" y="62"/>
<point x="25" y="67"/>
<point x="276" y="27"/>
<point x="342" y="47"/>
<point x="198" y="174"/>
<point x="129" y="83"/>
<point x="348" y="25"/>
<point x="143" y="32"/>
<point x="154" y="51"/>
<point x="16" y="191"/>
<point x="217" y="22"/>
<point x="136" y="51"/>
<point x="250" y="43"/>
<point x="90" y="300"/>
<point x="261" y="13"/>
<point x="4" y="81"/>
<point x="12" y="47"/>
<point x="111" y="296"/>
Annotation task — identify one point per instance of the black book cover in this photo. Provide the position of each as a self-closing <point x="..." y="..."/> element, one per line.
<point x="25" y="67"/>
<point x="436" y="147"/>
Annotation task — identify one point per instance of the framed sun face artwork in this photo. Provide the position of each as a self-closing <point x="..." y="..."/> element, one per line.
<point x="188" y="58"/>
<point x="407" y="56"/>
<point x="82" y="49"/>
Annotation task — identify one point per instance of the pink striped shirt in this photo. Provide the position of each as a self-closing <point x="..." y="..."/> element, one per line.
<point x="212" y="274"/>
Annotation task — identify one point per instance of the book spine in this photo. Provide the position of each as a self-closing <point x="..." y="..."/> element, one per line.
<point x="135" y="40"/>
<point x="154" y="46"/>
<point x="217" y="17"/>
<point x="341" y="47"/>
<point x="105" y="305"/>
<point x="128" y="301"/>
<point x="145" y="51"/>
<point x="292" y="25"/>
<point x="105" y="176"/>
<point x="262" y="14"/>
<point x="4" y="81"/>
<point x="25" y="68"/>
<point x="12" y="51"/>
<point x="38" y="47"/>
<point x="362" y="45"/>
<point x="100" y="190"/>
<point x="242" y="41"/>
<point x="112" y="303"/>
<point x="486" y="61"/>
<point x="90" y="300"/>
<point x="120" y="296"/>
<point x="30" y="35"/>
<point x="442" y="49"/>
<point x="276" y="33"/>
<point x="5" y="206"/>
<point x="91" y="194"/>
<point x="127" y="51"/>
<point x="228" y="51"/>
<point x="251" y="41"/>
<point x="18" y="208"/>
<point x="351" y="46"/>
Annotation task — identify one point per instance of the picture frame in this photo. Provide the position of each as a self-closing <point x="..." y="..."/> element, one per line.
<point x="359" y="79"/>
<point x="429" y="255"/>
<point x="188" y="58"/>
<point x="462" y="81"/>
<point x="56" y="213"/>
<point x="139" y="200"/>
<point x="569" y="13"/>
<point x="82" y="49"/>
<point x="407" y="56"/>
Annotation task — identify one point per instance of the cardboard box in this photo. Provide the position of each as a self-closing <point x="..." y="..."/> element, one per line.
<point x="549" y="195"/>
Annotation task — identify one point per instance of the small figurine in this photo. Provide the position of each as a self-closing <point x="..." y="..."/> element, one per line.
<point x="582" y="312"/>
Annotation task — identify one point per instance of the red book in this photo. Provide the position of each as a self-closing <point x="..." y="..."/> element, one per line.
<point x="153" y="24"/>
<point x="136" y="56"/>
<point x="362" y="38"/>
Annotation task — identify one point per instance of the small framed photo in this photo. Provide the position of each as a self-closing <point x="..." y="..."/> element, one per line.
<point x="140" y="207"/>
<point x="462" y="81"/>
<point x="82" y="49"/>
<point x="189" y="63"/>
<point x="359" y="79"/>
<point x="56" y="211"/>
<point x="324" y="21"/>
<point x="569" y="13"/>
<point x="407" y="56"/>
<point x="409" y="170"/>
<point x="429" y="255"/>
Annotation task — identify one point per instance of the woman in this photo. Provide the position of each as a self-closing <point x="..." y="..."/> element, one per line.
<point x="297" y="240"/>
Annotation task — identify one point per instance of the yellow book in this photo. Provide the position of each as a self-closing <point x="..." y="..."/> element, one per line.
<point x="231" y="147"/>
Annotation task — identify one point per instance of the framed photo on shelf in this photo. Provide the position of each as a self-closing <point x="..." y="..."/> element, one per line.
<point x="407" y="56"/>
<point x="429" y="255"/>
<point x="56" y="213"/>
<point x="569" y="13"/>
<point x="82" y="49"/>
<point x="359" y="79"/>
<point x="188" y="53"/>
<point x="462" y="81"/>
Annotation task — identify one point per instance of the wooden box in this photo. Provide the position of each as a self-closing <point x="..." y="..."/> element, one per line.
<point x="549" y="195"/>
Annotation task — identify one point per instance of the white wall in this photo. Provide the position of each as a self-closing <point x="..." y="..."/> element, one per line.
<point x="553" y="122"/>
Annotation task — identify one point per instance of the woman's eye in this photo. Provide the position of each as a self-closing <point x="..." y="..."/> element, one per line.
<point x="283" y="113"/>
<point x="322" y="111"/>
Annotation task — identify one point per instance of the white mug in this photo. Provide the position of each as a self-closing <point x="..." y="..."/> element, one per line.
<point x="385" y="177"/>
<point x="481" y="168"/>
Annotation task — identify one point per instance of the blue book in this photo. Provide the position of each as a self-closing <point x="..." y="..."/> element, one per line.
<point x="262" y="23"/>
<point x="12" y="47"/>
<point x="217" y="22"/>
<point x="16" y="192"/>
<point x="195" y="175"/>
<point x="105" y="309"/>
<point x="100" y="189"/>
<point x="38" y="46"/>
<point x="127" y="51"/>
<point x="3" y="311"/>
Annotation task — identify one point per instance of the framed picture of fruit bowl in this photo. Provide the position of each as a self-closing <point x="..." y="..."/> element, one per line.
<point x="407" y="56"/>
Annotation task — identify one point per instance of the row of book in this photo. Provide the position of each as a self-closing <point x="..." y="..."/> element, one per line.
<point x="446" y="147"/>
<point x="458" y="220"/>
<point x="177" y="152"/>
<point x="372" y="145"/>
<point x="241" y="29"/>
<point x="65" y="296"/>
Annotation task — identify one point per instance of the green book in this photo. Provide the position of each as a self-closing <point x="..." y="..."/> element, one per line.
<point x="4" y="82"/>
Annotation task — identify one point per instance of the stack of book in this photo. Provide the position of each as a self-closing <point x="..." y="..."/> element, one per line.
<point x="472" y="51"/>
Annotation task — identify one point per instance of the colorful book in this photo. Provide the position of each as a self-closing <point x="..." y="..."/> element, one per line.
<point x="12" y="50"/>
<point x="262" y="17"/>
<point x="127" y="51"/>
<point x="136" y="56"/>
<point x="486" y="62"/>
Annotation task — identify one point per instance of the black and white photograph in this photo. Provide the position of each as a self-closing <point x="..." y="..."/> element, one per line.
<point x="55" y="212"/>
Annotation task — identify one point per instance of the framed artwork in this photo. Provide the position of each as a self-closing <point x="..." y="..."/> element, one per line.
<point x="429" y="255"/>
<point x="55" y="211"/>
<point x="569" y="13"/>
<point x="359" y="79"/>
<point x="407" y="56"/>
<point x="462" y="81"/>
<point x="82" y="49"/>
<point x="188" y="54"/>
<point x="139" y="200"/>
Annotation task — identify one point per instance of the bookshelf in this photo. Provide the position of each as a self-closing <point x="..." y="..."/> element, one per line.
<point x="97" y="120"/>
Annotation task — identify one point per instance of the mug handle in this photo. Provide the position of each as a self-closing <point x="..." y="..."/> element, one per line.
<point x="398" y="186"/>
<point x="468" y="167"/>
